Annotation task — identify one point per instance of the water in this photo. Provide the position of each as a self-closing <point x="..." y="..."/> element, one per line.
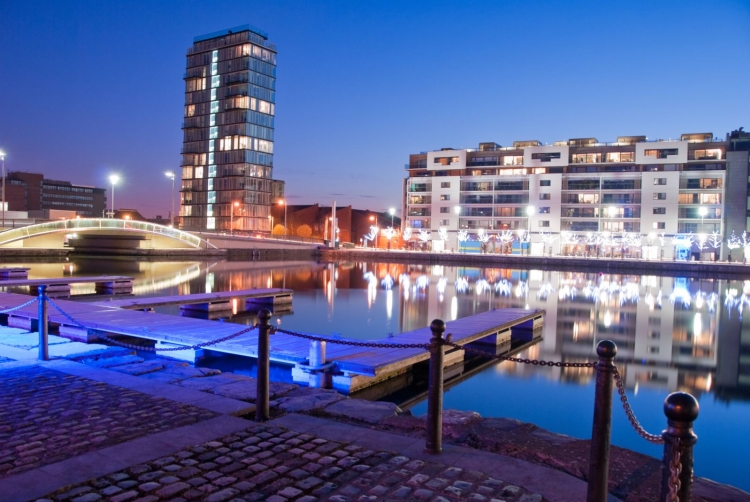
<point x="672" y="334"/>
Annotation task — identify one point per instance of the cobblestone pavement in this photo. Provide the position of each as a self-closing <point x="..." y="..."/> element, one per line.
<point x="276" y="465"/>
<point x="47" y="416"/>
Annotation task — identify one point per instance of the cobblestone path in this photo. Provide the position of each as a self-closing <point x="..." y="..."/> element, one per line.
<point x="272" y="464"/>
<point x="47" y="416"/>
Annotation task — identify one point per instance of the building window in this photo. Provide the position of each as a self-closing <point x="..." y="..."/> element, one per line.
<point x="445" y="184"/>
<point x="445" y="161"/>
<point x="660" y="225"/>
<point x="660" y="210"/>
<point x="444" y="223"/>
<point x="545" y="183"/>
<point x="660" y="181"/>
<point x="543" y="210"/>
<point x="653" y="350"/>
<point x="545" y="156"/>
<point x="544" y="223"/>
<point x="544" y="196"/>
<point x="661" y="153"/>
<point x="445" y="196"/>
<point x="445" y="210"/>
<point x="660" y="196"/>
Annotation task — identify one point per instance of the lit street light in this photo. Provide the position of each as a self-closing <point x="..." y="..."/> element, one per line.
<point x="283" y="203"/>
<point x="170" y="174"/>
<point x="529" y="213"/>
<point x="2" y="158"/>
<point x="703" y="212"/>
<point x="231" y="217"/>
<point x="114" y="179"/>
<point x="392" y="211"/>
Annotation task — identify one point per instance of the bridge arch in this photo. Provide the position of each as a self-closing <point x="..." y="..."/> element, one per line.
<point x="102" y="224"/>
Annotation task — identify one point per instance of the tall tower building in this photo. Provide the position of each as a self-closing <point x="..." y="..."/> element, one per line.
<point x="227" y="154"/>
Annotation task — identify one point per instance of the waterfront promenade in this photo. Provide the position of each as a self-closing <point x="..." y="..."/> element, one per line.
<point x="104" y="424"/>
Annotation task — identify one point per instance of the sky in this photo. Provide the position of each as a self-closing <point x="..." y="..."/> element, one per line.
<point x="88" y="89"/>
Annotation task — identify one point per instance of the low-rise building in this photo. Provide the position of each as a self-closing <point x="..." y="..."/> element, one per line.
<point x="33" y="192"/>
<point x="630" y="197"/>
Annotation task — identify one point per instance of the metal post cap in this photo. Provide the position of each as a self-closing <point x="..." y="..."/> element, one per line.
<point x="681" y="407"/>
<point x="264" y="315"/>
<point x="606" y="348"/>
<point x="437" y="325"/>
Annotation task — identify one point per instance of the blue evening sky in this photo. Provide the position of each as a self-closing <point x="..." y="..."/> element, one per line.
<point x="92" y="88"/>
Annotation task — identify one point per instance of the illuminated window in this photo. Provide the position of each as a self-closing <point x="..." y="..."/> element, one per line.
<point x="660" y="210"/>
<point x="199" y="172"/>
<point x="445" y="196"/>
<point x="660" y="196"/>
<point x="544" y="196"/>
<point x="213" y="94"/>
<point x="214" y="68"/>
<point x="544" y="223"/>
<point x="214" y="133"/>
<point x="211" y="197"/>
<point x="190" y="110"/>
<point x="660" y="225"/>
<point x="210" y="210"/>
<point x="545" y="156"/>
<point x="661" y="153"/>
<point x="445" y="161"/>
<point x="210" y="145"/>
<point x="214" y="56"/>
<point x="445" y="184"/>
<point x="211" y="171"/>
<point x="211" y="223"/>
<point x="215" y="81"/>
<point x="214" y="108"/>
<point x="660" y="181"/>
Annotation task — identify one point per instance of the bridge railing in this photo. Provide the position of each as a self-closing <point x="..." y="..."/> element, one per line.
<point x="681" y="409"/>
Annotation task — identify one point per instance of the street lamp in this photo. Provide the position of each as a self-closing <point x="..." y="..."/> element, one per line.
<point x="529" y="213"/>
<point x="170" y="174"/>
<point x="114" y="179"/>
<point x="393" y="212"/>
<point x="231" y="217"/>
<point x="703" y="212"/>
<point x="2" y="158"/>
<point x="283" y="203"/>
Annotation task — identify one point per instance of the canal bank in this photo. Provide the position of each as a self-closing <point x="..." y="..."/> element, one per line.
<point x="193" y="436"/>
<point x="562" y="263"/>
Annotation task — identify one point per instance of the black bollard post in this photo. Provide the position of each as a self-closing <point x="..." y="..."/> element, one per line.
<point x="602" y="428"/>
<point x="681" y="410"/>
<point x="43" y="324"/>
<point x="264" y="366"/>
<point x="435" y="390"/>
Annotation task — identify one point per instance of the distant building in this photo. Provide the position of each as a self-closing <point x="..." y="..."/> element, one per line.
<point x="135" y="215"/>
<point x="227" y="153"/>
<point x="33" y="192"/>
<point x="573" y="195"/>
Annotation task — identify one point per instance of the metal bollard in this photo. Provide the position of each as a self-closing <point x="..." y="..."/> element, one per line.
<point x="317" y="359"/>
<point x="681" y="410"/>
<point x="435" y="390"/>
<point x="43" y="324"/>
<point x="601" y="430"/>
<point x="262" y="412"/>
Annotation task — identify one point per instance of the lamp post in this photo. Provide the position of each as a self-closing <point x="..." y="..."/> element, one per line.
<point x="703" y="211"/>
<point x="283" y="203"/>
<point x="2" y="158"/>
<point x="231" y="217"/>
<point x="393" y="212"/>
<point x="529" y="213"/>
<point x="170" y="174"/>
<point x="114" y="179"/>
<point x="612" y="210"/>
<point x="457" y="210"/>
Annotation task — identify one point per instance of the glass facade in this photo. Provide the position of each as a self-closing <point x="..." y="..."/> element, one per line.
<point x="227" y="153"/>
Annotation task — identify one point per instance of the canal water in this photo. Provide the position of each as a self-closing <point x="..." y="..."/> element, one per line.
<point x="672" y="333"/>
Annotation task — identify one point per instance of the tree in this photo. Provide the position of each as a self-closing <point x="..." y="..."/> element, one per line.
<point x="278" y="229"/>
<point x="304" y="230"/>
<point x="506" y="237"/>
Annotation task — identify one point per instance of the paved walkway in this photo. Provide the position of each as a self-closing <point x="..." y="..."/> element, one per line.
<point x="72" y="432"/>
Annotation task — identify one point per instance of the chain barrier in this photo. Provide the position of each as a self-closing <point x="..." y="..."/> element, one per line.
<point x="11" y="309"/>
<point x="675" y="469"/>
<point x="425" y="346"/>
<point x="651" y="438"/>
<point x="533" y="362"/>
<point x="150" y="349"/>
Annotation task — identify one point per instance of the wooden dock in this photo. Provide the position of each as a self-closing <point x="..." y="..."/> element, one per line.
<point x="209" y="302"/>
<point x="14" y="273"/>
<point x="348" y="368"/>
<point x="60" y="286"/>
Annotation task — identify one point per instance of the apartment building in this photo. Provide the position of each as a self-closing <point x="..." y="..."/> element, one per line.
<point x="227" y="154"/>
<point x="571" y="196"/>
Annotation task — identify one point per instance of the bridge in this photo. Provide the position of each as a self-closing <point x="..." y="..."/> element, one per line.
<point x="101" y="232"/>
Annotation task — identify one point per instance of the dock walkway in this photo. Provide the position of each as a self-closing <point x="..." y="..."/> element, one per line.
<point x="104" y="283"/>
<point x="222" y="300"/>
<point x="361" y="366"/>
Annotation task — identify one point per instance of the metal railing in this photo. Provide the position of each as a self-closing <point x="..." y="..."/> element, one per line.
<point x="681" y="409"/>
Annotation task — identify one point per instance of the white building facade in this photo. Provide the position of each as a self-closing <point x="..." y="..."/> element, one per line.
<point x="630" y="198"/>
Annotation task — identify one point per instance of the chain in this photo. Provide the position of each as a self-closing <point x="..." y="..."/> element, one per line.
<point x="534" y="362"/>
<point x="651" y="438"/>
<point x="150" y="349"/>
<point x="11" y="309"/>
<point x="376" y="345"/>
<point x="675" y="468"/>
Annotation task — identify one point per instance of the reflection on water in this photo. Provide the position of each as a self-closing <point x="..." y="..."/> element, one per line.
<point x="672" y="333"/>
